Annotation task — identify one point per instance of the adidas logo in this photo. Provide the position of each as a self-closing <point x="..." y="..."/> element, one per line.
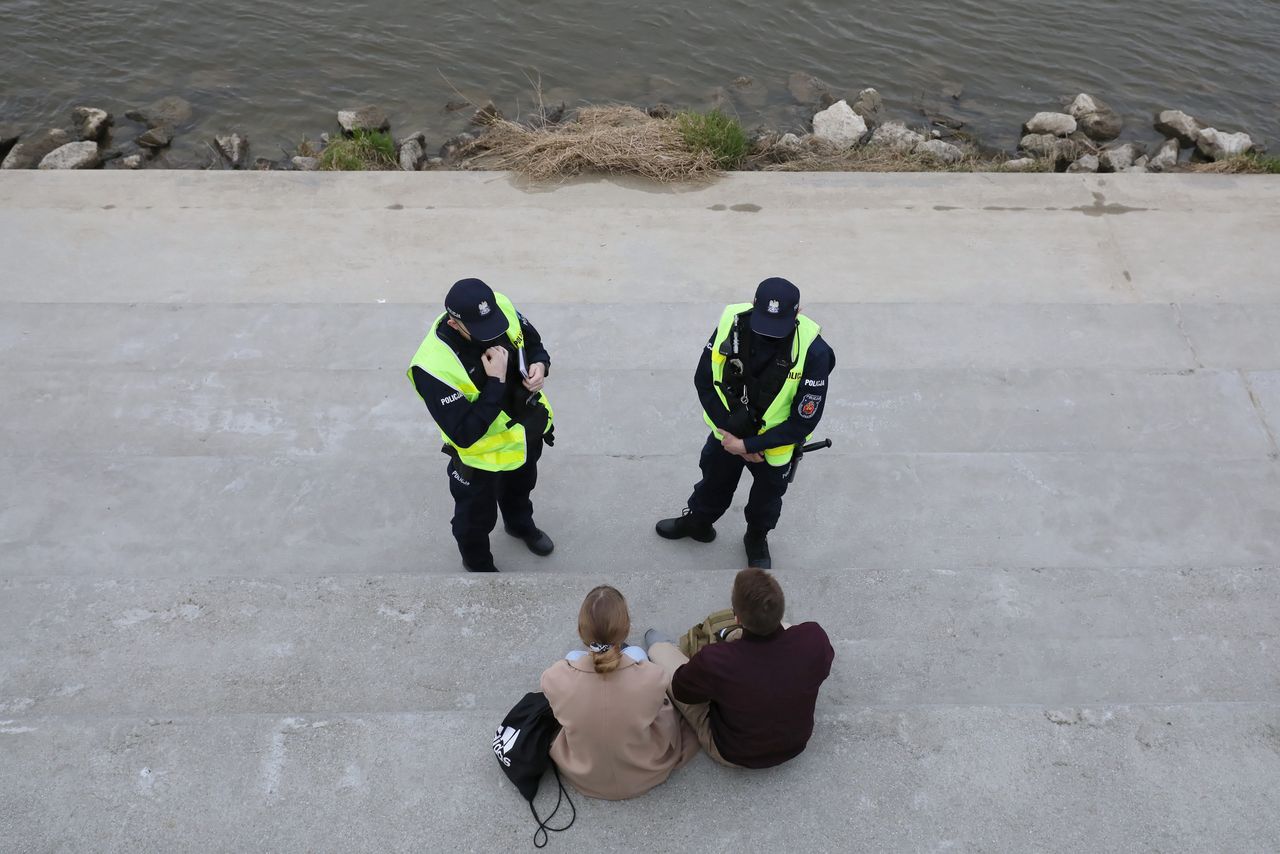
<point x="503" y="742"/>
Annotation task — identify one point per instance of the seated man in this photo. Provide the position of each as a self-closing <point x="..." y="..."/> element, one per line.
<point x="750" y="701"/>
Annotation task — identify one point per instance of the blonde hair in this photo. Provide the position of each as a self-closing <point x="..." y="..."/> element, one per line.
<point x="604" y="619"/>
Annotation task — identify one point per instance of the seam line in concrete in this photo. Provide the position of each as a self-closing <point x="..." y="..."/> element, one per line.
<point x="832" y="714"/>
<point x="1262" y="415"/>
<point x="281" y="579"/>
<point x="1186" y="336"/>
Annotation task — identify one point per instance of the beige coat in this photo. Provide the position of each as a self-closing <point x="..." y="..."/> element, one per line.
<point x="621" y="735"/>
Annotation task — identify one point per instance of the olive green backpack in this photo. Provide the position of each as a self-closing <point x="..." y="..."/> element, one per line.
<point x="717" y="627"/>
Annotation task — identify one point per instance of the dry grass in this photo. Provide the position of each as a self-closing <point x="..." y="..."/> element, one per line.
<point x="1245" y="164"/>
<point x="869" y="159"/>
<point x="614" y="140"/>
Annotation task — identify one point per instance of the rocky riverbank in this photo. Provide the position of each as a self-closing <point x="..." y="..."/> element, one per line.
<point x="842" y="132"/>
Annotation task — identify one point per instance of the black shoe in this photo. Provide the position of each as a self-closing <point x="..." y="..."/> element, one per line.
<point x="538" y="541"/>
<point x="686" y="525"/>
<point x="757" y="543"/>
<point x="480" y="567"/>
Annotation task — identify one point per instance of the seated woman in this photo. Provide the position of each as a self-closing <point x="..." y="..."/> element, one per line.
<point x="621" y="736"/>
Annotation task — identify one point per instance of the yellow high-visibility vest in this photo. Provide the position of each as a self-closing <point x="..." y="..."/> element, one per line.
<point x="501" y="448"/>
<point x="779" y="409"/>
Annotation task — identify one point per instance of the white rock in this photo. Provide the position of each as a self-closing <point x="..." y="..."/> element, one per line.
<point x="839" y="125"/>
<point x="1096" y="118"/>
<point x="91" y="123"/>
<point x="73" y="155"/>
<point x="1120" y="157"/>
<point x="133" y="161"/>
<point x="1166" y="157"/>
<point x="1082" y="106"/>
<point x="869" y="105"/>
<point x="896" y="136"/>
<point x="1051" y="147"/>
<point x="411" y="151"/>
<point x="305" y="164"/>
<point x="1180" y="126"/>
<point x="1087" y="163"/>
<point x="1058" y="124"/>
<point x="944" y="152"/>
<point x="369" y="118"/>
<point x="1217" y="145"/>
<point x="1021" y="164"/>
<point x="33" y="148"/>
<point x="234" y="148"/>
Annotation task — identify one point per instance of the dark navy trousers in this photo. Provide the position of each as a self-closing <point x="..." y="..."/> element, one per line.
<point x="479" y="495"/>
<point x="721" y="472"/>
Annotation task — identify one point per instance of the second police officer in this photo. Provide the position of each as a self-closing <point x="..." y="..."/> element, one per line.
<point x="762" y="381"/>
<point x="480" y="371"/>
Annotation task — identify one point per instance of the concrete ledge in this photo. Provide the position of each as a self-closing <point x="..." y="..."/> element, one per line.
<point x="1045" y="545"/>
<point x="280" y="237"/>
<point x="378" y="644"/>
<point x="970" y="777"/>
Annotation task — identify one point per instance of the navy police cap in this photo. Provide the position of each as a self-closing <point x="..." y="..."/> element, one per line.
<point x="472" y="302"/>
<point x="776" y="307"/>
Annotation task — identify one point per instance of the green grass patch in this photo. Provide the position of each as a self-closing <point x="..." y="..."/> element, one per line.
<point x="362" y="151"/>
<point x="1270" y="165"/>
<point x="714" y="132"/>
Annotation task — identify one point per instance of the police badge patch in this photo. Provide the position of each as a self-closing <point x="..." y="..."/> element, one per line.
<point x="484" y="308"/>
<point x="809" y="405"/>
<point x="773" y="306"/>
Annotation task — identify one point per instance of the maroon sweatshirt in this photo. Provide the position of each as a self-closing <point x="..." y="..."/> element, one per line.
<point x="762" y="692"/>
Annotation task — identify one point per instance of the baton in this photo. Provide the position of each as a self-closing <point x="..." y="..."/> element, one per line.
<point x="800" y="451"/>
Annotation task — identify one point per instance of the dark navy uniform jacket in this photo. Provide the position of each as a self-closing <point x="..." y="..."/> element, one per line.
<point x="806" y="409"/>
<point x="464" y="421"/>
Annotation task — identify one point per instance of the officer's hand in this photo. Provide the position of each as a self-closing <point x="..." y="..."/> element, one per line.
<point x="753" y="458"/>
<point x="733" y="444"/>
<point x="537" y="377"/>
<point x="495" y="362"/>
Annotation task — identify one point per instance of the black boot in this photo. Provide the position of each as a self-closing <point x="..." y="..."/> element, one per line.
<point x="687" y="524"/>
<point x="537" y="541"/>
<point x="479" y="566"/>
<point x="757" y="542"/>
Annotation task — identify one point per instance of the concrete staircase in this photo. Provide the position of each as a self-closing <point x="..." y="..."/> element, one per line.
<point x="1045" y="544"/>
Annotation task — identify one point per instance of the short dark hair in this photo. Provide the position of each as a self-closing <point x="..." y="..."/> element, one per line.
<point x="757" y="601"/>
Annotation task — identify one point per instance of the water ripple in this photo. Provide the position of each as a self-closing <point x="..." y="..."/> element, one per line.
<point x="280" y="69"/>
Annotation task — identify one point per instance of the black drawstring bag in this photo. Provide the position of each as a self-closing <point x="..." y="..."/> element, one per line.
<point x="523" y="747"/>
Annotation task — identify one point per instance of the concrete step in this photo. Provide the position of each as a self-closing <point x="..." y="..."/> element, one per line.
<point x="247" y="516"/>
<point x="289" y="237"/>
<point x="971" y="709"/>
<point x="1045" y="546"/>
<point x="413" y="643"/>
<point x="1015" y="778"/>
<point x="294" y="338"/>
<point x="645" y="411"/>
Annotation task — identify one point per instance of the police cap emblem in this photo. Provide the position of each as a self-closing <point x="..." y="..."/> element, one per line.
<point x="773" y="306"/>
<point x="484" y="308"/>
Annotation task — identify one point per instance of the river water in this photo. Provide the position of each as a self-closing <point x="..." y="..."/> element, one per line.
<point x="279" y="69"/>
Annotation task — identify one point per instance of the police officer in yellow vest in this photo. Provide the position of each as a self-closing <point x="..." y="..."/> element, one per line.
<point x="762" y="380"/>
<point x="481" y="370"/>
